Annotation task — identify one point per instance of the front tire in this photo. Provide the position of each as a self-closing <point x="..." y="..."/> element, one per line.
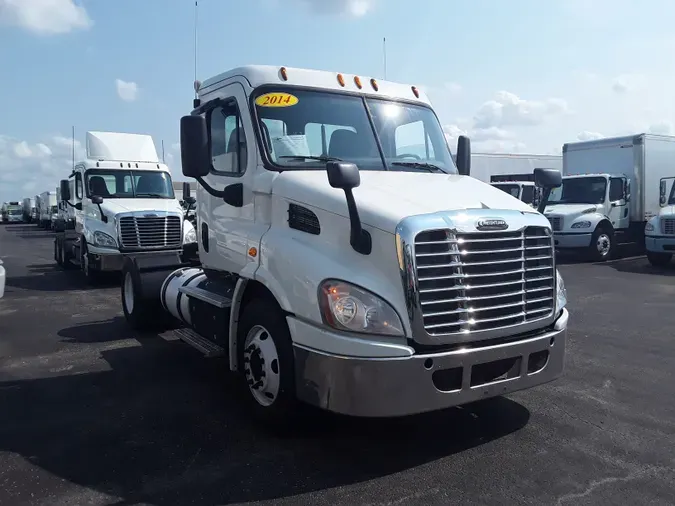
<point x="92" y="276"/>
<point x="659" y="259"/>
<point x="602" y="244"/>
<point x="267" y="364"/>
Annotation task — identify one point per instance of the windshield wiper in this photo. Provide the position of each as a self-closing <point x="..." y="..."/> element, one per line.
<point x="318" y="158"/>
<point x="420" y="165"/>
<point x="159" y="195"/>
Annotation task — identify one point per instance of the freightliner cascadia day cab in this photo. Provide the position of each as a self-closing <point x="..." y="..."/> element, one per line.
<point x="611" y="187"/>
<point x="121" y="203"/>
<point x="340" y="270"/>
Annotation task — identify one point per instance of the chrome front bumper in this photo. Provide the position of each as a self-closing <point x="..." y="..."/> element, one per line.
<point x="385" y="387"/>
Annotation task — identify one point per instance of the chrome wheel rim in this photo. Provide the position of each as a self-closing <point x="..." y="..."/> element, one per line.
<point x="128" y="293"/>
<point x="261" y="366"/>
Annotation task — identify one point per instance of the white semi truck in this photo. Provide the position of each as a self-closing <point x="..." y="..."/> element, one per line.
<point x="121" y="203"/>
<point x="336" y="268"/>
<point x="12" y="212"/>
<point x="611" y="188"/>
<point x="48" y="209"/>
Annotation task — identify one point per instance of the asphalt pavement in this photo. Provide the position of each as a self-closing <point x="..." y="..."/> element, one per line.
<point x="91" y="413"/>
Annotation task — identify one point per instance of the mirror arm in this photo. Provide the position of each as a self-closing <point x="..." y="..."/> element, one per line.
<point x="104" y="218"/>
<point x="209" y="189"/>
<point x="545" y="194"/>
<point x="359" y="238"/>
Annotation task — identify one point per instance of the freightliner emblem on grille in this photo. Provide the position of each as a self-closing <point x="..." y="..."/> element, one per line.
<point x="491" y="224"/>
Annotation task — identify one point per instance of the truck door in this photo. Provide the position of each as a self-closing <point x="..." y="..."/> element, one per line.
<point x="619" y="213"/>
<point x="230" y="230"/>
<point x="78" y="195"/>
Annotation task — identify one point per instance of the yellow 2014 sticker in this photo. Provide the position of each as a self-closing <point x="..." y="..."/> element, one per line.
<point x="276" y="100"/>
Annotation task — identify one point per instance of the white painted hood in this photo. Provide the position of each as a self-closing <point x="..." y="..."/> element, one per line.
<point x="114" y="206"/>
<point x="667" y="211"/>
<point x="385" y="198"/>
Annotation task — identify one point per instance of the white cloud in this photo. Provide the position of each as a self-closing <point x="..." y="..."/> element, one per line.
<point x="485" y="140"/>
<point x="507" y="109"/>
<point x="354" y="8"/>
<point x="627" y="82"/>
<point x="662" y="128"/>
<point x="126" y="90"/>
<point x="27" y="168"/>
<point x="589" y="136"/>
<point x="45" y="17"/>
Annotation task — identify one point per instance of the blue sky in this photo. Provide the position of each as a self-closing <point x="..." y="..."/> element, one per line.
<point x="518" y="76"/>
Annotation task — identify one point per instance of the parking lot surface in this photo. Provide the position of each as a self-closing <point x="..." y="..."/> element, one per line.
<point x="91" y="413"/>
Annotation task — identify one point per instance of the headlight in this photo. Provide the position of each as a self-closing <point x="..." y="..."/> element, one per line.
<point x="581" y="224"/>
<point x="190" y="236"/>
<point x="104" y="240"/>
<point x="649" y="227"/>
<point x="347" y="307"/>
<point x="561" y="296"/>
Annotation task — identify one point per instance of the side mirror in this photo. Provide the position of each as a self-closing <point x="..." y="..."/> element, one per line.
<point x="547" y="178"/>
<point x="626" y="191"/>
<point x="190" y="200"/>
<point x="186" y="191"/>
<point x="463" y="155"/>
<point x="343" y="175"/>
<point x="96" y="199"/>
<point x="194" y="147"/>
<point x="65" y="190"/>
<point x="78" y="206"/>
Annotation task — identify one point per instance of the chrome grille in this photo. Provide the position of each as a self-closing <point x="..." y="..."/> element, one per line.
<point x="556" y="222"/>
<point x="150" y="232"/>
<point x="484" y="281"/>
<point x="668" y="226"/>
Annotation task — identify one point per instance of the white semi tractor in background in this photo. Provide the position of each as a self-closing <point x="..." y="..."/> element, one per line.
<point x="513" y="173"/>
<point x="121" y="202"/>
<point x="401" y="288"/>
<point x="611" y="189"/>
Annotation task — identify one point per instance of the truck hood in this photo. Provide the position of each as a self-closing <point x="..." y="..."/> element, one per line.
<point x="568" y="209"/>
<point x="114" y="206"/>
<point x="667" y="211"/>
<point x="384" y="198"/>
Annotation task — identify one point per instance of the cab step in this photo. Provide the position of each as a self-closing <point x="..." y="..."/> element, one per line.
<point x="208" y="348"/>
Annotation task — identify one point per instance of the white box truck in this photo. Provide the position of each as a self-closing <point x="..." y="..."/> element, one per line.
<point x="12" y="212"/>
<point x="400" y="288"/>
<point x="121" y="202"/>
<point x="513" y="173"/>
<point x="48" y="209"/>
<point x="611" y="187"/>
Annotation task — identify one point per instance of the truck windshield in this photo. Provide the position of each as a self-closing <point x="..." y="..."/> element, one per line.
<point x="55" y="209"/>
<point x="511" y="189"/>
<point x="14" y="212"/>
<point x="580" y="190"/>
<point x="128" y="184"/>
<point x="302" y="129"/>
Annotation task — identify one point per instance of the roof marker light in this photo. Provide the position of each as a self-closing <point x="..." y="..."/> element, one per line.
<point x="373" y="83"/>
<point x="341" y="79"/>
<point x="357" y="81"/>
<point x="416" y="92"/>
<point x="284" y="73"/>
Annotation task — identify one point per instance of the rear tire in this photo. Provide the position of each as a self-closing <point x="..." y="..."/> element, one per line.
<point x="267" y="365"/>
<point x="659" y="259"/>
<point x="141" y="313"/>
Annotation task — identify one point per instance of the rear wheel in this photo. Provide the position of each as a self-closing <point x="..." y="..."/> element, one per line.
<point x="659" y="259"/>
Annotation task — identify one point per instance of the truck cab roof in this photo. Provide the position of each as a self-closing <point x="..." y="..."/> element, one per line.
<point x="260" y="75"/>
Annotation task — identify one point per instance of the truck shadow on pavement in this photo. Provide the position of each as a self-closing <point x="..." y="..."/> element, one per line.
<point x="115" y="330"/>
<point x="49" y="277"/>
<point x="642" y="266"/>
<point x="28" y="231"/>
<point x="162" y="425"/>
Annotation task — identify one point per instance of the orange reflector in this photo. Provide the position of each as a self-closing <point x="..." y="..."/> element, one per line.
<point x="341" y="79"/>
<point x="373" y="83"/>
<point x="416" y="92"/>
<point x="253" y="252"/>
<point x="357" y="81"/>
<point x="284" y="74"/>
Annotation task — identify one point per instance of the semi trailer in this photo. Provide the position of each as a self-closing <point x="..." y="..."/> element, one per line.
<point x="336" y="269"/>
<point x="48" y="209"/>
<point x="28" y="208"/>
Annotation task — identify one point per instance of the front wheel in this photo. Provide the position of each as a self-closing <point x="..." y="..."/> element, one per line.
<point x="659" y="259"/>
<point x="266" y="364"/>
<point x="602" y="244"/>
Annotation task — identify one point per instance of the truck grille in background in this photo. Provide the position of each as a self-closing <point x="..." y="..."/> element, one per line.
<point x="668" y="226"/>
<point x="556" y="222"/>
<point x="140" y="232"/>
<point x="484" y="281"/>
